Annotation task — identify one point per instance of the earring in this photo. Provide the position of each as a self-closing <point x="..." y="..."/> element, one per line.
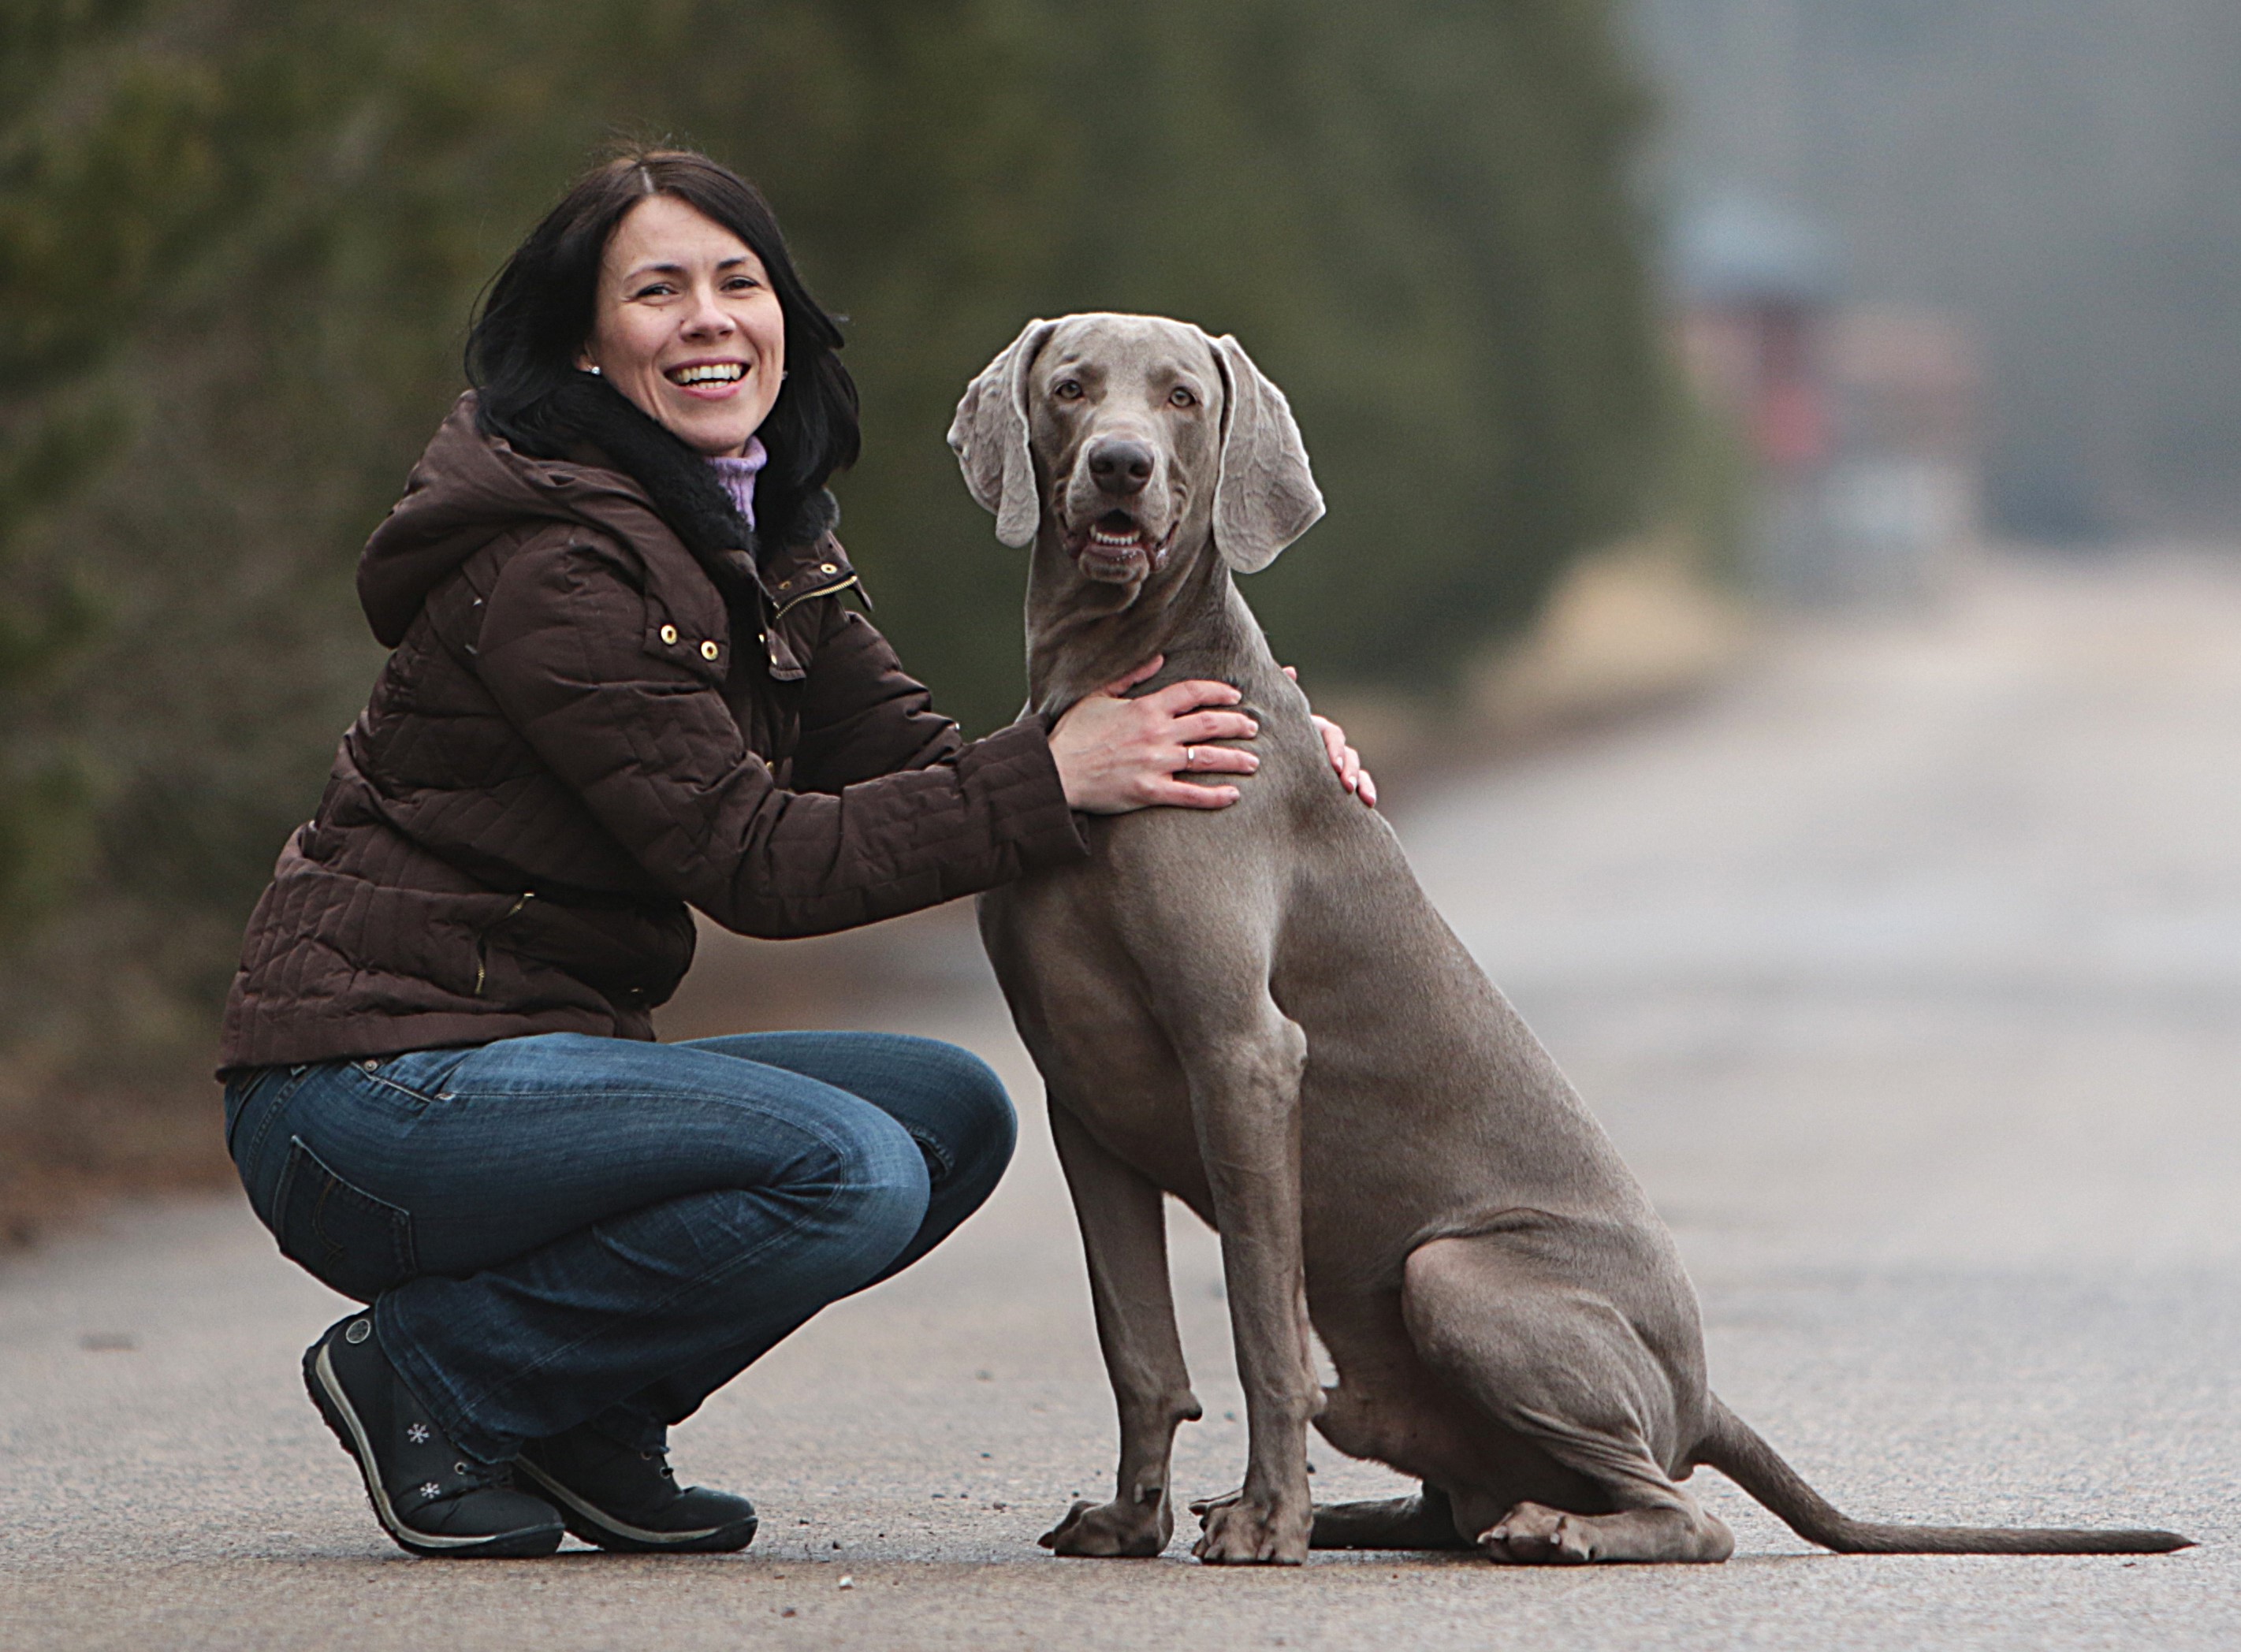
<point x="593" y="370"/>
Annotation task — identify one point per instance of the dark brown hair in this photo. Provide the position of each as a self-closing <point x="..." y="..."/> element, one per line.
<point x="538" y="313"/>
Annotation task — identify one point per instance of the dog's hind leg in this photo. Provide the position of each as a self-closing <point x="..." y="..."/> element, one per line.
<point x="1424" y="1521"/>
<point x="1124" y="1234"/>
<point x="1554" y="1362"/>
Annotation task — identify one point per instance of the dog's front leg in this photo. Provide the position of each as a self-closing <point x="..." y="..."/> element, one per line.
<point x="1244" y="1102"/>
<point x="1124" y="1234"/>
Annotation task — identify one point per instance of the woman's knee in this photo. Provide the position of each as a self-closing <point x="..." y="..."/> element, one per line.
<point x="967" y="1114"/>
<point x="874" y="1189"/>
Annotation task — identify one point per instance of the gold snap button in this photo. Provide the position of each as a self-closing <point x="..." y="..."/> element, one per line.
<point x="669" y="634"/>
<point x="785" y="585"/>
<point x="709" y="651"/>
<point x="827" y="567"/>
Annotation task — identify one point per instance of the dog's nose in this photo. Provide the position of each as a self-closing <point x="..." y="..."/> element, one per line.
<point x="1120" y="466"/>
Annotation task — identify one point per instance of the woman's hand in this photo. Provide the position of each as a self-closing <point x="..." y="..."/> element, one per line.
<point x="1344" y="757"/>
<point x="1115" y="754"/>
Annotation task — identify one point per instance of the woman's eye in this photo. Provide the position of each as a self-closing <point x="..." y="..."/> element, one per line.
<point x="1067" y="389"/>
<point x="658" y="289"/>
<point x="1182" y="397"/>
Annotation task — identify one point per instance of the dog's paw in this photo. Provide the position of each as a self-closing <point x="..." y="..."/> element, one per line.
<point x="1108" y="1531"/>
<point x="1238" y="1532"/>
<point x="1534" y="1534"/>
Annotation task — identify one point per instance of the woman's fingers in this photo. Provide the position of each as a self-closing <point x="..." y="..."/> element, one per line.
<point x="1335" y="742"/>
<point x="1181" y="795"/>
<point x="1214" y="726"/>
<point x="1149" y="668"/>
<point x="1215" y="759"/>
<point x="1346" y="760"/>
<point x="1179" y="699"/>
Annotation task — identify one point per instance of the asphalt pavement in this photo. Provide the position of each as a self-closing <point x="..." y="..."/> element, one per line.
<point x="1905" y="967"/>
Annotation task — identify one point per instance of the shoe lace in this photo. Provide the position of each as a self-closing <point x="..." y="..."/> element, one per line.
<point x="480" y="1476"/>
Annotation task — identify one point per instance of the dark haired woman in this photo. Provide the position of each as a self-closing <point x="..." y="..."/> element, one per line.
<point x="623" y="683"/>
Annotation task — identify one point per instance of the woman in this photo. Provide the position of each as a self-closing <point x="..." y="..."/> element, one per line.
<point x="624" y="683"/>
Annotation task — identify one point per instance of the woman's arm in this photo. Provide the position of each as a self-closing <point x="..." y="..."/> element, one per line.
<point x="648" y="742"/>
<point x="862" y="714"/>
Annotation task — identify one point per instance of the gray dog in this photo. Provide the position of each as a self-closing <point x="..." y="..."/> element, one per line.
<point x="1258" y="1012"/>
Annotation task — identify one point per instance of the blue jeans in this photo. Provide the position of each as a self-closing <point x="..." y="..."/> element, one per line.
<point x="563" y="1229"/>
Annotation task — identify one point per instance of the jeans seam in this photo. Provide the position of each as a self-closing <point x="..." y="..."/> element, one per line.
<point x="287" y="1091"/>
<point x="421" y="1097"/>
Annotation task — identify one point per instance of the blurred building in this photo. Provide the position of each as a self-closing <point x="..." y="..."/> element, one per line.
<point x="2059" y="171"/>
<point x="1861" y="422"/>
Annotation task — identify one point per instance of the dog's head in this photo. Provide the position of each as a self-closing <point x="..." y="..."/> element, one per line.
<point x="1121" y="434"/>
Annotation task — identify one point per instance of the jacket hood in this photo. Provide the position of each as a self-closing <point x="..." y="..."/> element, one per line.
<point x="467" y="488"/>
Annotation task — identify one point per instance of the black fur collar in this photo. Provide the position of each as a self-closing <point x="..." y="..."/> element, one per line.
<point x="681" y="484"/>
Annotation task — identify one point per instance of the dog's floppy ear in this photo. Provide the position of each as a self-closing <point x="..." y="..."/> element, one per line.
<point x="989" y="436"/>
<point x="1264" y="497"/>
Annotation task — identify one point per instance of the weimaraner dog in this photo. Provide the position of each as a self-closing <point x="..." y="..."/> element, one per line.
<point x="1257" y="1011"/>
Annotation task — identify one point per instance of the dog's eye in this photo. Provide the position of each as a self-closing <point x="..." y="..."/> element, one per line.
<point x="1067" y="389"/>
<point x="1181" y="398"/>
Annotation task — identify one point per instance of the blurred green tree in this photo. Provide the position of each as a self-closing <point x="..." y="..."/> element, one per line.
<point x="106" y="169"/>
<point x="238" y="248"/>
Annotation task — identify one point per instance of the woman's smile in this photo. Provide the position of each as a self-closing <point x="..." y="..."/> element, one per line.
<point x="711" y="380"/>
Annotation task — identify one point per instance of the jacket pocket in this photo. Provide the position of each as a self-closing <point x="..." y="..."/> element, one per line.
<point x="342" y="1236"/>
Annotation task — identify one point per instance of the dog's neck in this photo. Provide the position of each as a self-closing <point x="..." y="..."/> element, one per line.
<point x="1083" y="633"/>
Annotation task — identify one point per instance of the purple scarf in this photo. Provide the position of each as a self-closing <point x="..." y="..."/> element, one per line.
<point x="738" y="476"/>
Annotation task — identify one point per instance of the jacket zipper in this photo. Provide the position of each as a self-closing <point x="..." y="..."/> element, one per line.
<point x="482" y="942"/>
<point x="836" y="587"/>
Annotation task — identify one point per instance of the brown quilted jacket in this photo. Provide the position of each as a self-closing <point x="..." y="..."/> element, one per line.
<point x="571" y="742"/>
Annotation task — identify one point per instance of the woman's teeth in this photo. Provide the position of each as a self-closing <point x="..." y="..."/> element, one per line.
<point x="726" y="372"/>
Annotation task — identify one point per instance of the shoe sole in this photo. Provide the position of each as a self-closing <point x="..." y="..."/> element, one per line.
<point x="597" y="1526"/>
<point x="528" y="1542"/>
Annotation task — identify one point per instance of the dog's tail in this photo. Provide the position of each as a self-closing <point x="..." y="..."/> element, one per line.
<point x="1734" y="1447"/>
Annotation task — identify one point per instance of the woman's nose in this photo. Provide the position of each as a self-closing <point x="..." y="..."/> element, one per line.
<point x="709" y="318"/>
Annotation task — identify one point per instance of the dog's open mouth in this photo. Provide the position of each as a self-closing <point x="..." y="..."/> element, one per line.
<point x="1114" y="541"/>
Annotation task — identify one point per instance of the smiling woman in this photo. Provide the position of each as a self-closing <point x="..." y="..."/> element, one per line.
<point x="687" y="326"/>
<point x="624" y="685"/>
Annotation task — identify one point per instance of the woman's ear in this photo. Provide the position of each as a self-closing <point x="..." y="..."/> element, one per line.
<point x="989" y="436"/>
<point x="1264" y="496"/>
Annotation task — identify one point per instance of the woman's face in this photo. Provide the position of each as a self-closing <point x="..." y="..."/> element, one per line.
<point x="685" y="324"/>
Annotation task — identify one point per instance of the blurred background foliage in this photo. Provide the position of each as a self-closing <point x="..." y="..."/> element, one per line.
<point x="239" y="243"/>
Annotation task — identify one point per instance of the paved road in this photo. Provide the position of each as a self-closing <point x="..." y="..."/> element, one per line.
<point x="1906" y="970"/>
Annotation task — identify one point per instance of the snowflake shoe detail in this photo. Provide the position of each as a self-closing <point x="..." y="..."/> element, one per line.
<point x="429" y="1496"/>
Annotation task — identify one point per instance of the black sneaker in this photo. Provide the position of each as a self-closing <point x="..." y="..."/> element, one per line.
<point x="628" y="1500"/>
<point x="429" y="1496"/>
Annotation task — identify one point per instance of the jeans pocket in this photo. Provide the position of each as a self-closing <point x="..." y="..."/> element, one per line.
<point x="342" y="1236"/>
